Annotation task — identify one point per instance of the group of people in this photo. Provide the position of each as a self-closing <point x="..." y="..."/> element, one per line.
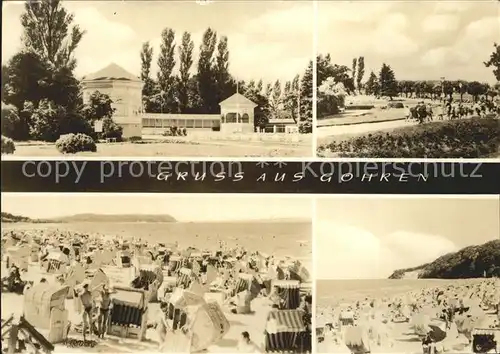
<point x="449" y="109"/>
<point x="441" y="316"/>
<point x="94" y="303"/>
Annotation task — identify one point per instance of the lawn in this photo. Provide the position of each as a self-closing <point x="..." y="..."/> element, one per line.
<point x="175" y="149"/>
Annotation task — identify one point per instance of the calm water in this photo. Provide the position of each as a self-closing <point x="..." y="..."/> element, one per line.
<point x="279" y="238"/>
<point x="328" y="290"/>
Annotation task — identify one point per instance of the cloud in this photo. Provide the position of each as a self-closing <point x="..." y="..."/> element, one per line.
<point x="291" y="21"/>
<point x="440" y="23"/>
<point x="347" y="252"/>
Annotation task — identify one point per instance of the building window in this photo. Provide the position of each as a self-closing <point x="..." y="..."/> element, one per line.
<point x="198" y="123"/>
<point x="190" y="123"/>
<point x="148" y="123"/>
<point x="158" y="123"/>
<point x="245" y="118"/>
<point x="232" y="117"/>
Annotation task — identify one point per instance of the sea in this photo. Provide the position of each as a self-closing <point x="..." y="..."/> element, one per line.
<point x="329" y="291"/>
<point x="280" y="238"/>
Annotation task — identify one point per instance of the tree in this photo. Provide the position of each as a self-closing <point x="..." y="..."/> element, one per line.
<point x="372" y="86"/>
<point x="268" y="91"/>
<point x="361" y="72"/>
<point x="306" y="100"/>
<point x="387" y="82"/>
<point x="48" y="31"/>
<point x="26" y="78"/>
<point x="354" y="67"/>
<point x="206" y="82"/>
<point x="259" y="86"/>
<point x="98" y="107"/>
<point x="45" y="120"/>
<point x="186" y="61"/>
<point x="287" y="88"/>
<point x="340" y="73"/>
<point x="475" y="89"/>
<point x="276" y="98"/>
<point x="262" y="111"/>
<point x="149" y="84"/>
<point x="494" y="61"/>
<point x="331" y="97"/>
<point x="166" y="64"/>
<point x="221" y="71"/>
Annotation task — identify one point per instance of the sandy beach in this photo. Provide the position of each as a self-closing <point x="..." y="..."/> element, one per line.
<point x="238" y="250"/>
<point x="393" y="316"/>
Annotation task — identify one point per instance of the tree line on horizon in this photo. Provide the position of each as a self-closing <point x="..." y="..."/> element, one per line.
<point x="212" y="82"/>
<point x="385" y="84"/>
<point x="42" y="98"/>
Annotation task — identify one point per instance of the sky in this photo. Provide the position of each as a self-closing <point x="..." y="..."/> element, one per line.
<point x="420" y="40"/>
<point x="183" y="208"/>
<point x="369" y="238"/>
<point x="267" y="39"/>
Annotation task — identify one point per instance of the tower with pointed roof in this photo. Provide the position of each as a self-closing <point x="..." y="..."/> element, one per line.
<point x="237" y="114"/>
<point x="124" y="89"/>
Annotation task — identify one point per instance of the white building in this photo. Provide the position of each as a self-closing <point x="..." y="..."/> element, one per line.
<point x="125" y="90"/>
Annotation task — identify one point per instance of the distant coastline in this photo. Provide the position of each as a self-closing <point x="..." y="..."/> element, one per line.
<point x="133" y="218"/>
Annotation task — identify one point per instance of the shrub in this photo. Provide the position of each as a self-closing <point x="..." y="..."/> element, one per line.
<point x="467" y="138"/>
<point x="216" y="129"/>
<point x="305" y="127"/>
<point x="8" y="146"/>
<point x="10" y="120"/>
<point x="395" y="105"/>
<point x="111" y="130"/>
<point x="134" y="139"/>
<point x="73" y="143"/>
<point x="175" y="131"/>
<point x="75" y="123"/>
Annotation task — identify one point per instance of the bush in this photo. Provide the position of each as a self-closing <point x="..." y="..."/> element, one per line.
<point x="74" y="123"/>
<point x="73" y="143"/>
<point x="395" y="105"/>
<point x="305" y="127"/>
<point x="8" y="146"/>
<point x="467" y="138"/>
<point x="134" y="139"/>
<point x="10" y="120"/>
<point x="175" y="131"/>
<point x="216" y="129"/>
<point x="111" y="130"/>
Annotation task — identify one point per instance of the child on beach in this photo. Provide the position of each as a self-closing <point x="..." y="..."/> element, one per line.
<point x="246" y="345"/>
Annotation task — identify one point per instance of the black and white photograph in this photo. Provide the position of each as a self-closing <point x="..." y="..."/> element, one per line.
<point x="156" y="273"/>
<point x="408" y="79"/>
<point x="157" y="78"/>
<point x="415" y="275"/>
